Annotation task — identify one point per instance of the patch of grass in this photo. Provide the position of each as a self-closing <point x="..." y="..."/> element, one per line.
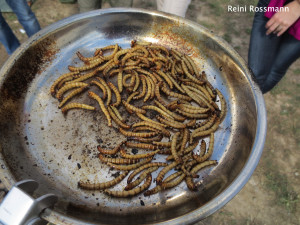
<point x="216" y="8"/>
<point x="227" y="37"/>
<point x="207" y="25"/>
<point x="297" y="72"/>
<point x="278" y="183"/>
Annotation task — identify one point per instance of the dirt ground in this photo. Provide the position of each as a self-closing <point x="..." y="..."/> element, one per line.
<point x="272" y="194"/>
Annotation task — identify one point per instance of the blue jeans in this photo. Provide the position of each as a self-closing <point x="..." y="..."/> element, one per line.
<point x="270" y="56"/>
<point x="27" y="19"/>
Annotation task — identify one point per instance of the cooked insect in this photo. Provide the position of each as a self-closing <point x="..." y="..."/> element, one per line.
<point x="116" y="119"/>
<point x="223" y="105"/>
<point x="175" y="182"/>
<point x="130" y="167"/>
<point x="140" y="178"/>
<point x="160" y="111"/>
<point x="107" y="90"/>
<point x="174" y="94"/>
<point x="104" y="185"/>
<point x="135" y="191"/>
<point x="117" y="160"/>
<point x="117" y="113"/>
<point x="62" y="77"/>
<point x="71" y="95"/>
<point x="67" y="87"/>
<point x="209" y="151"/>
<point x="110" y="151"/>
<point x="134" y="134"/>
<point x="137" y="156"/>
<point x="115" y="90"/>
<point x="133" y="108"/>
<point x="76" y="106"/>
<point x="102" y="106"/>
<point x="171" y="123"/>
<point x="163" y="172"/>
<point x="140" y="145"/>
<point x="173" y="148"/>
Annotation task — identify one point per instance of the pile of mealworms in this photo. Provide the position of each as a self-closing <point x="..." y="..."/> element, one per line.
<point x="175" y="105"/>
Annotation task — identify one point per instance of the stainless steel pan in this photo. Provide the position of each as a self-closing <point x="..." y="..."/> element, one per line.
<point x="38" y="142"/>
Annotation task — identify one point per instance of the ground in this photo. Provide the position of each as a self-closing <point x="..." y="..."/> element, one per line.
<point x="272" y="194"/>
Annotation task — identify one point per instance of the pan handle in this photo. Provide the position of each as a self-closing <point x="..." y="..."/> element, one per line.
<point x="20" y="208"/>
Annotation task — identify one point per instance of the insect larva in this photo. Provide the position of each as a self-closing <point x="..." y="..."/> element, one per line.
<point x="101" y="86"/>
<point x="84" y="77"/>
<point x="67" y="79"/>
<point x="208" y="131"/>
<point x="143" y="117"/>
<point x="157" y="94"/>
<point x="185" y="138"/>
<point x="149" y="88"/>
<point x="120" y="80"/>
<point x="130" y="167"/>
<point x="189" y="149"/>
<point x="71" y="95"/>
<point x="209" y="151"/>
<point x="67" y="87"/>
<point x="104" y="185"/>
<point x="116" y="91"/>
<point x="143" y="167"/>
<point x="223" y="105"/>
<point x="142" y="48"/>
<point x="173" y="147"/>
<point x="116" y="160"/>
<point x="128" y="56"/>
<point x="140" y="145"/>
<point x="144" y="89"/>
<point x="116" y="119"/>
<point x="110" y="151"/>
<point x="164" y="49"/>
<point x="134" y="134"/>
<point x="162" y="144"/>
<point x="152" y="76"/>
<point x="108" y="91"/>
<point x="126" y="77"/>
<point x="166" y="78"/>
<point x="152" y="93"/>
<point x="192" y="110"/>
<point x="206" y="126"/>
<point x="158" y="188"/>
<point x="191" y="185"/>
<point x="137" y="156"/>
<point x="211" y="91"/>
<point x="160" y="111"/>
<point x="201" y="101"/>
<point x="202" y="148"/>
<point x="137" y="81"/>
<point x="199" y="89"/>
<point x="163" y="172"/>
<point x="116" y="111"/>
<point x="153" y="125"/>
<point x="174" y="94"/>
<point x="86" y="59"/>
<point x="186" y="72"/>
<point x="112" y="55"/>
<point x="133" y="108"/>
<point x="144" y="60"/>
<point x="204" y="96"/>
<point x="132" y="96"/>
<point x="57" y="81"/>
<point x="140" y="178"/>
<point x="92" y="65"/>
<point x="191" y="123"/>
<point x="192" y="115"/>
<point x="102" y="106"/>
<point x="171" y="123"/>
<point x="172" y="114"/>
<point x="147" y="140"/>
<point x="188" y="65"/>
<point x="76" y="106"/>
<point x="108" y="68"/>
<point x="133" y="192"/>
<point x="145" y="128"/>
<point x="175" y="182"/>
<point x="191" y="61"/>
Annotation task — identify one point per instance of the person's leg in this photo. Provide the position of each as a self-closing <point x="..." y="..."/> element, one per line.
<point x="88" y="5"/>
<point x="25" y="16"/>
<point x="288" y="53"/>
<point x="7" y="37"/>
<point x="263" y="48"/>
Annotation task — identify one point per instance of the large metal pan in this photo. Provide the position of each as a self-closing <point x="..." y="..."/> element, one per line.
<point x="39" y="143"/>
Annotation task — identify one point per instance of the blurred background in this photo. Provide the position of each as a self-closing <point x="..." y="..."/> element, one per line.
<point x="272" y="194"/>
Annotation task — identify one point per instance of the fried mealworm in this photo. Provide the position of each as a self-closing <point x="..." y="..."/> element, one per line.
<point x="67" y="87"/>
<point x="211" y="91"/>
<point x="116" y="111"/>
<point x="134" y="134"/>
<point x="195" y="110"/>
<point x="86" y="59"/>
<point x="143" y="167"/>
<point x="116" y="119"/>
<point x="137" y="81"/>
<point x="185" y="138"/>
<point x="192" y="115"/>
<point x="110" y="151"/>
<point x="137" y="156"/>
<point x="145" y="128"/>
<point x="108" y="100"/>
<point x="171" y="123"/>
<point x="57" y="81"/>
<point x="108" y="68"/>
<point x="166" y="78"/>
<point x="101" y="86"/>
<point x="125" y="78"/>
<point x="163" y="172"/>
<point x="71" y="95"/>
<point x="158" y="188"/>
<point x="76" y="106"/>
<point x="92" y="65"/>
<point x="133" y="108"/>
<point x="67" y="79"/>
<point x="140" y="145"/>
<point x="207" y="132"/>
<point x="202" y="148"/>
<point x="174" y="94"/>
<point x="128" y="56"/>
<point x="190" y="148"/>
<point x="104" y="185"/>
<point x="130" y="167"/>
<point x="149" y="88"/>
<point x="166" y="185"/>
<point x="117" y="160"/>
<point x="159" y="110"/>
<point x="133" y="192"/>
<point x="140" y="178"/>
<point x="200" y="159"/>
<point x="147" y="140"/>
<point x="172" y="114"/>
<point x="191" y="185"/>
<point x="84" y="77"/>
<point x="150" y="75"/>
<point x="116" y="91"/>
<point x="162" y="144"/>
<point x="157" y="94"/>
<point x="120" y="80"/>
<point x="155" y="125"/>
<point x="102" y="106"/>
<point x="152" y="93"/>
<point x="144" y="89"/>
<point x="191" y="123"/>
<point x="207" y="125"/>
<point x="144" y="118"/>
<point x="112" y="55"/>
<point x="190" y="76"/>
<point x="223" y="105"/>
<point x="197" y="98"/>
<point x="173" y="148"/>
